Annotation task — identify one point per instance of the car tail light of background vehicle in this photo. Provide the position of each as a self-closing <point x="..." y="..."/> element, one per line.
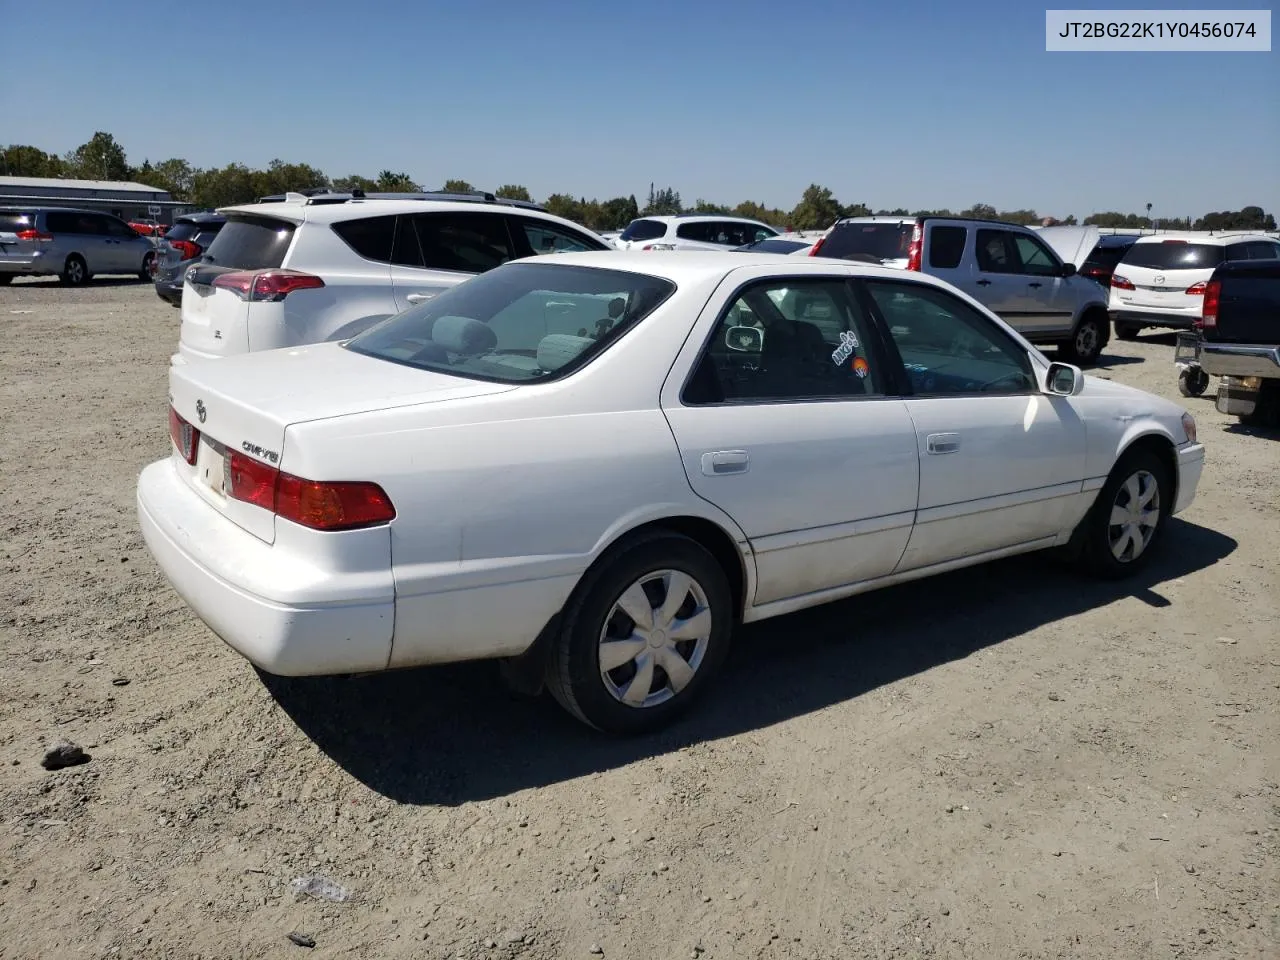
<point x="813" y="252"/>
<point x="917" y="245"/>
<point x="185" y="437"/>
<point x="1196" y="289"/>
<point x="1121" y="283"/>
<point x="658" y="246"/>
<point x="320" y="505"/>
<point x="187" y="249"/>
<point x="266" y="285"/>
<point x="37" y="235"/>
<point x="1209" y="309"/>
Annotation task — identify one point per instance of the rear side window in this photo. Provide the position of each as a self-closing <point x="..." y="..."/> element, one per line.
<point x="463" y="242"/>
<point x="1173" y="255"/>
<point x="946" y="246"/>
<point x="370" y="237"/>
<point x="644" y="230"/>
<point x="72" y="222"/>
<point x="1259" y="250"/>
<point x="701" y="232"/>
<point x="252" y="243"/>
<point x="13" y="222"/>
<point x="884" y="241"/>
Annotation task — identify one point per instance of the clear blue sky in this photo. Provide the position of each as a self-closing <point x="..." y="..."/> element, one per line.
<point x="892" y="103"/>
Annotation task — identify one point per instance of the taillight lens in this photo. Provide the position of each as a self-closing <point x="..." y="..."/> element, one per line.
<point x="1196" y="289"/>
<point x="38" y="235"/>
<point x="658" y="246"/>
<point x="319" y="505"/>
<point x="1209" y="309"/>
<point x="813" y="251"/>
<point x="917" y="246"/>
<point x="267" y="285"/>
<point x="1120" y="283"/>
<point x="185" y="437"/>
<point x="187" y="249"/>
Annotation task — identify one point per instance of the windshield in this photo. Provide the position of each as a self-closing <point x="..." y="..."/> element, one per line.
<point x="884" y="241"/>
<point x="518" y="323"/>
<point x="776" y="245"/>
<point x="1174" y="255"/>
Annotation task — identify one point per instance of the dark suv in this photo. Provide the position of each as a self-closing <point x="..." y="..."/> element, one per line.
<point x="184" y="244"/>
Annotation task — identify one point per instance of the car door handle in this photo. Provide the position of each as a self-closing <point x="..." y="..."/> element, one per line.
<point x="984" y="283"/>
<point x="419" y="297"/>
<point x="1036" y="285"/>
<point x="725" y="461"/>
<point x="939" y="443"/>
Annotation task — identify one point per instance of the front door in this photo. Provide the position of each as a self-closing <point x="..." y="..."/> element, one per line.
<point x="789" y="425"/>
<point x="1000" y="461"/>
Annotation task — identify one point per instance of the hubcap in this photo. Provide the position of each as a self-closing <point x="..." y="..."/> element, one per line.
<point x="654" y="638"/>
<point x="1134" y="516"/>
<point x="74" y="270"/>
<point x="1086" y="339"/>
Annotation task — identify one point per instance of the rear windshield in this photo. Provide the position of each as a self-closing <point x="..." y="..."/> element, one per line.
<point x="13" y="222"/>
<point x="1105" y="256"/>
<point x="251" y="243"/>
<point x="1173" y="255"/>
<point x="518" y="323"/>
<point x="776" y="245"/>
<point x="884" y="241"/>
<point x="182" y="230"/>
<point x="644" y="230"/>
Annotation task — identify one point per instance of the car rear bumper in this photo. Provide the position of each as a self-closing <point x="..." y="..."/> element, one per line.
<point x="205" y="557"/>
<point x="24" y="266"/>
<point x="1240" y="360"/>
<point x="1190" y="467"/>
<point x="1176" y="319"/>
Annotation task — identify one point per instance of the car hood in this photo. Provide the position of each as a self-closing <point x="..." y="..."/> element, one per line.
<point x="1129" y="401"/>
<point x="1072" y="244"/>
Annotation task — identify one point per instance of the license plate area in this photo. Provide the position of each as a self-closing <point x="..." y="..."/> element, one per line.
<point x="213" y="466"/>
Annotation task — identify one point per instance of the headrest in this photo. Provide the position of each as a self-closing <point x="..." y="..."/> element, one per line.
<point x="463" y="335"/>
<point x="556" y="350"/>
<point x="616" y="306"/>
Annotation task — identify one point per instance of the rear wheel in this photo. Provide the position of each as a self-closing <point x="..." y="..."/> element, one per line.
<point x="1192" y="382"/>
<point x="6" y="279"/>
<point x="1116" y="536"/>
<point x="642" y="636"/>
<point x="74" y="271"/>
<point x="1127" y="330"/>
<point x="148" y="271"/>
<point x="1085" y="345"/>
<point x="1266" y="412"/>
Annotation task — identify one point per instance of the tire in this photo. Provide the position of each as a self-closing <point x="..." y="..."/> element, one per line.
<point x="1086" y="343"/>
<point x="642" y="568"/>
<point x="6" y="279"/>
<point x="75" y="272"/>
<point x="1126" y="330"/>
<point x="1192" y="382"/>
<point x="148" y="270"/>
<point x="1098" y="541"/>
<point x="1267" y="411"/>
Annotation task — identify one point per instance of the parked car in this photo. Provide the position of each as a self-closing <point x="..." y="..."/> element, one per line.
<point x="596" y="466"/>
<point x="1102" y="260"/>
<point x="1009" y="268"/>
<point x="148" y="228"/>
<point x="788" y="243"/>
<point x="688" y="231"/>
<point x="1160" y="281"/>
<point x="182" y="247"/>
<point x="1240" y="338"/>
<point x="70" y="243"/>
<point x="306" y="269"/>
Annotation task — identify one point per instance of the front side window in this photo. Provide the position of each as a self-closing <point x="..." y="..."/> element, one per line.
<point x="1034" y="257"/>
<point x="546" y="237"/>
<point x="521" y="323"/>
<point x="947" y="347"/>
<point x="799" y="339"/>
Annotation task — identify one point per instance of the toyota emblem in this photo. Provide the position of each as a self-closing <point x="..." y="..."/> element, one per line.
<point x="200" y="410"/>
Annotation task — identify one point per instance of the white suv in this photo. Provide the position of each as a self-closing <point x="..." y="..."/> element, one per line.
<point x="689" y="231"/>
<point x="300" y="270"/>
<point x="1008" y="268"/>
<point x="1160" y="280"/>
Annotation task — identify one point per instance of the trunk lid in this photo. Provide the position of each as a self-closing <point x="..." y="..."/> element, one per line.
<point x="245" y="404"/>
<point x="215" y="321"/>
<point x="11" y="248"/>
<point x="1072" y="244"/>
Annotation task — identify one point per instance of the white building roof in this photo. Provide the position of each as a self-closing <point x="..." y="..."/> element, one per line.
<point x="115" y="186"/>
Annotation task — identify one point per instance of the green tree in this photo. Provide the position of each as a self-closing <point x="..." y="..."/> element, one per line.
<point x="563" y="205"/>
<point x="981" y="211"/>
<point x="619" y="212"/>
<point x="664" y="202"/>
<point x="354" y="182"/>
<point x="862" y="210"/>
<point x="457" y="186"/>
<point x="174" y="176"/>
<point x="21" y="160"/>
<point x="391" y="182"/>
<point x="758" y="211"/>
<point x="711" y="209"/>
<point x="101" y="158"/>
<point x="281" y="177"/>
<point x="513" y="191"/>
<point x="817" y="209"/>
<point x="221" y="186"/>
<point x="1025" y="217"/>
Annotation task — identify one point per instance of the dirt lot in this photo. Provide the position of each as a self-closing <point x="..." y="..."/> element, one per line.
<point x="1004" y="762"/>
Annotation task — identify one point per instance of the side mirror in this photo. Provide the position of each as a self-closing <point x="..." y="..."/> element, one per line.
<point x="1064" y="380"/>
<point x="1068" y="270"/>
<point x="744" y="339"/>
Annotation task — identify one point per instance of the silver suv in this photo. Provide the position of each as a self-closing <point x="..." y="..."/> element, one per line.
<point x="73" y="244"/>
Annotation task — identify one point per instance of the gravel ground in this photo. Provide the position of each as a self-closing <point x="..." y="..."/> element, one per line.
<point x="1003" y="762"/>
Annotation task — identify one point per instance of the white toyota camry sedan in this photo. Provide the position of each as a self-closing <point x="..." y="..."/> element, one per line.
<point x="595" y="466"/>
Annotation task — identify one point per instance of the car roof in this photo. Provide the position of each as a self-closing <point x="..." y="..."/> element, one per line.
<point x="700" y="217"/>
<point x="1217" y="238"/>
<point x="203" y="216"/>
<point x="352" y="209"/>
<point x="42" y="208"/>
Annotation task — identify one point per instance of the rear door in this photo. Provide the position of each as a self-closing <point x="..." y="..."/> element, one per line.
<point x="86" y="235"/>
<point x="438" y="250"/>
<point x="128" y="247"/>
<point x="17" y="250"/>
<point x="215" y="320"/>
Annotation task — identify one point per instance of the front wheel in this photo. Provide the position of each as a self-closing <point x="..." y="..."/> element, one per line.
<point x="1116" y="536"/>
<point x="643" y="635"/>
<point x="1085" y="345"/>
<point x="1192" y="382"/>
<point x="1127" y="330"/>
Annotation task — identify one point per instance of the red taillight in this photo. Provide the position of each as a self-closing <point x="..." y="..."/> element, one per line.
<point x="1209" y="309"/>
<point x="38" y="235"/>
<point x="320" y="505"/>
<point x="813" y="251"/>
<point x="1196" y="289"/>
<point x="185" y="437"/>
<point x="1120" y="283"/>
<point x="187" y="249"/>
<point x="917" y="246"/>
<point x="268" y="285"/>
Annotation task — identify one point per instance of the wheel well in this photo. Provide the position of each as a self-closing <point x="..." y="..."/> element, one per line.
<point x="1103" y="317"/>
<point x="715" y="541"/>
<point x="1163" y="449"/>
